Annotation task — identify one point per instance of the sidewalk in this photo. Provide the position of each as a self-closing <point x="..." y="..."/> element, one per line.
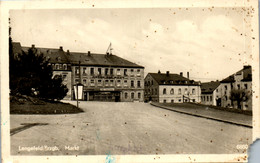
<point x="210" y="113"/>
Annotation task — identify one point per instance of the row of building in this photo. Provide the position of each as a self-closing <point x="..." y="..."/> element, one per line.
<point x="107" y="77"/>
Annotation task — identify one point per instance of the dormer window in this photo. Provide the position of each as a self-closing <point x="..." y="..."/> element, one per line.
<point x="58" y="58"/>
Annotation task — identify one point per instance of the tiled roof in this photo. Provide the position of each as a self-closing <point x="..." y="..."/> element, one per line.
<point x="55" y="55"/>
<point x="172" y="79"/>
<point x="100" y="60"/>
<point x="89" y="59"/>
<point x="209" y="87"/>
<point x="247" y="75"/>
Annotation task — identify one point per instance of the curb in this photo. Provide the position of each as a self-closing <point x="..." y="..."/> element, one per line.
<point x="202" y="116"/>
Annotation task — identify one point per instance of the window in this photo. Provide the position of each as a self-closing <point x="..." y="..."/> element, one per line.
<point x="132" y="70"/>
<point x="76" y="81"/>
<point x="138" y="72"/>
<point x="164" y="91"/>
<point x="99" y="81"/>
<point x="164" y="101"/>
<point x="125" y="72"/>
<point x="65" y="67"/>
<point x="111" y="82"/>
<point x="56" y="66"/>
<point x="216" y="90"/>
<point x="172" y="91"/>
<point x="92" y="82"/>
<point x="77" y="70"/>
<point x="126" y="95"/>
<point x="60" y="66"/>
<point x="84" y="81"/>
<point x="138" y="84"/>
<point x="84" y="70"/>
<point x="152" y="92"/>
<point x="245" y="85"/>
<point x="225" y="87"/>
<point x="132" y="95"/>
<point x="106" y="82"/>
<point x="155" y="91"/>
<point x="99" y="71"/>
<point x="172" y="101"/>
<point x="106" y="71"/>
<point x="139" y="95"/>
<point x="193" y="91"/>
<point x="92" y="71"/>
<point x="118" y="72"/>
<point x="118" y="83"/>
<point x="186" y="91"/>
<point x="238" y="86"/>
<point x="111" y="71"/>
<point x="132" y="83"/>
<point x="207" y="98"/>
<point x="210" y="98"/>
<point x="179" y="91"/>
<point x="179" y="100"/>
<point x="125" y="83"/>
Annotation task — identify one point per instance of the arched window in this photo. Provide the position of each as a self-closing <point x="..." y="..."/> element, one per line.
<point x="132" y="95"/>
<point x="164" y="91"/>
<point x="193" y="91"/>
<point x="179" y="91"/>
<point x="172" y="91"/>
<point x="126" y="95"/>
<point x="186" y="91"/>
<point x="139" y="95"/>
<point x="84" y="81"/>
<point x="57" y="66"/>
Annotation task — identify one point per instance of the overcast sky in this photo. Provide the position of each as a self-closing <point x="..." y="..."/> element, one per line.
<point x="210" y="43"/>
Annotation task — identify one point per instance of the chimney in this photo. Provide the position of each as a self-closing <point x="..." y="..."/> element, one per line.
<point x="167" y="73"/>
<point x="33" y="46"/>
<point x="159" y="72"/>
<point x="181" y="74"/>
<point x="61" y="48"/>
<point x="68" y="52"/>
<point x="88" y="53"/>
<point x="188" y="75"/>
<point x="108" y="54"/>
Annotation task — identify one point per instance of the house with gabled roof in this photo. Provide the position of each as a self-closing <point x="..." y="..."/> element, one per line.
<point x="171" y="88"/>
<point x="210" y="93"/>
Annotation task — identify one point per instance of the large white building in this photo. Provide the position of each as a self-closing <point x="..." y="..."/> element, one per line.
<point x="240" y="81"/>
<point x="171" y="88"/>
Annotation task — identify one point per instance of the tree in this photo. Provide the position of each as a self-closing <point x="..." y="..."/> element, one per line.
<point x="31" y="72"/>
<point x="239" y="95"/>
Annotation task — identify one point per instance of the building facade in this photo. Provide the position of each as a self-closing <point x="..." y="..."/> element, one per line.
<point x="171" y="88"/>
<point x="106" y="77"/>
<point x="241" y="82"/>
<point x="210" y="93"/>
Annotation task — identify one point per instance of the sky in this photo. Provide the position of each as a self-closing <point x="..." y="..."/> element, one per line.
<point x="209" y="43"/>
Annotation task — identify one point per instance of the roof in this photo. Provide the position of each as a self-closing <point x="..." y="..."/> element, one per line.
<point x="89" y="59"/>
<point x="209" y="87"/>
<point x="17" y="48"/>
<point x="55" y="55"/>
<point x="247" y="75"/>
<point x="92" y="59"/>
<point x="172" y="79"/>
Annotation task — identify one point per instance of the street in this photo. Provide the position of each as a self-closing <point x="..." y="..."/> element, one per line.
<point x="124" y="128"/>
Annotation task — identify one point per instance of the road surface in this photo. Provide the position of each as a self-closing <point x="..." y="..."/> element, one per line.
<point x="124" y="128"/>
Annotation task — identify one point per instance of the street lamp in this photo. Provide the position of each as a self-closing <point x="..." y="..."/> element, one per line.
<point x="78" y="90"/>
